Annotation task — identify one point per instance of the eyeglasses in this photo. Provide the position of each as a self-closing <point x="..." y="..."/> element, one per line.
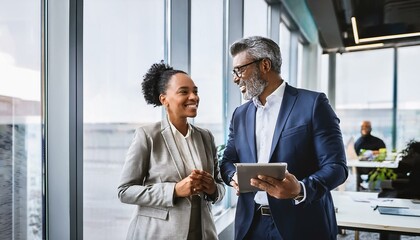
<point x="239" y="70"/>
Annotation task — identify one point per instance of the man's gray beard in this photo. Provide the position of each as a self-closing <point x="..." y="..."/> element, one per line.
<point x="254" y="86"/>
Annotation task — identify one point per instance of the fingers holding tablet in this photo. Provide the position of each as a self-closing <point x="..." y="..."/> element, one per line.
<point x="269" y="173"/>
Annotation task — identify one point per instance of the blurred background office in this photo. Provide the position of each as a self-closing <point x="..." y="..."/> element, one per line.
<point x="70" y="97"/>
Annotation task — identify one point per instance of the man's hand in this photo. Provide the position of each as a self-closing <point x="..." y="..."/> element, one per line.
<point x="234" y="183"/>
<point x="287" y="188"/>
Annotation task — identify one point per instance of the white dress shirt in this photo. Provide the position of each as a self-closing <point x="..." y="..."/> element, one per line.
<point x="187" y="149"/>
<point x="265" y="124"/>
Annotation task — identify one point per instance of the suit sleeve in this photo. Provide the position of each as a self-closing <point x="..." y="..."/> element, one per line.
<point x="329" y="150"/>
<point x="227" y="166"/>
<point x="132" y="189"/>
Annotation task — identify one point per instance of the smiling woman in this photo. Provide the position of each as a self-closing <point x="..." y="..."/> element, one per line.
<point x="171" y="168"/>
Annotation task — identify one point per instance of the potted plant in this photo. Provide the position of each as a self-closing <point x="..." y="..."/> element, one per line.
<point x="379" y="174"/>
<point x="220" y="150"/>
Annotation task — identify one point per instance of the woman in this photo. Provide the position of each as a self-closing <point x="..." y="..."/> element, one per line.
<point x="171" y="171"/>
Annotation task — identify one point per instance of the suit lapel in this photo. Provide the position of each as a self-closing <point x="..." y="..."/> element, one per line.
<point x="250" y="129"/>
<point x="171" y="146"/>
<point x="289" y="99"/>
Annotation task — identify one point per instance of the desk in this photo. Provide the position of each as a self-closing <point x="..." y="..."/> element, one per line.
<point x="356" y="163"/>
<point x="359" y="215"/>
<point x="372" y="164"/>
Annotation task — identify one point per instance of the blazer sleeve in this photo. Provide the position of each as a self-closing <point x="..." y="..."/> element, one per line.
<point x="132" y="189"/>
<point x="329" y="149"/>
<point x="230" y="157"/>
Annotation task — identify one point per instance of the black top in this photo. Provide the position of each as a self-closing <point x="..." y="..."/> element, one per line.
<point x="368" y="142"/>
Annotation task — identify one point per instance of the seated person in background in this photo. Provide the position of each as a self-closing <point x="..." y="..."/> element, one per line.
<point x="367" y="141"/>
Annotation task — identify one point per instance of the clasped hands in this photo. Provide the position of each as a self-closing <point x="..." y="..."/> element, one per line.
<point x="198" y="181"/>
<point x="287" y="188"/>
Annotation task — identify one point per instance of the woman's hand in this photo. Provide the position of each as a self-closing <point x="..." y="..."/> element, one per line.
<point x="186" y="187"/>
<point x="203" y="182"/>
<point x="198" y="181"/>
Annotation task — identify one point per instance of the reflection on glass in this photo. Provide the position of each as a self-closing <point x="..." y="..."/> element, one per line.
<point x="21" y="197"/>
<point x="118" y="49"/>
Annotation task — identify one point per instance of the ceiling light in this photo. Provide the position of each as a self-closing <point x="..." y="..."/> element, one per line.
<point x="355" y="33"/>
<point x="358" y="40"/>
<point x="387" y="37"/>
<point x="360" y="47"/>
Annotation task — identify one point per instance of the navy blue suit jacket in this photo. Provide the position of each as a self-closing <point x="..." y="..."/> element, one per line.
<point x="308" y="138"/>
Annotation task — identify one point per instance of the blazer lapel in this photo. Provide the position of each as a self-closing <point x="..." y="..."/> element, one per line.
<point x="289" y="99"/>
<point x="172" y="148"/>
<point x="250" y="130"/>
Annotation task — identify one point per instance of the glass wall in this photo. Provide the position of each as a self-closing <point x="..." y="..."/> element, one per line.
<point x="207" y="68"/>
<point x="121" y="41"/>
<point x="285" y="50"/>
<point x="370" y="75"/>
<point x="300" y="63"/>
<point x="364" y="91"/>
<point x="408" y="114"/>
<point x="21" y="195"/>
<point x="255" y="18"/>
<point x="207" y="63"/>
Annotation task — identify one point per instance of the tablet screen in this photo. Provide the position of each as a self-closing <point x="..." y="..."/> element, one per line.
<point x="246" y="171"/>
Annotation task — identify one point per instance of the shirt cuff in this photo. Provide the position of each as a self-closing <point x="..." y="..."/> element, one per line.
<point x="304" y="194"/>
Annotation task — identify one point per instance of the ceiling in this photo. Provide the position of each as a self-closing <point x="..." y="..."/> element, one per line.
<point x="348" y="23"/>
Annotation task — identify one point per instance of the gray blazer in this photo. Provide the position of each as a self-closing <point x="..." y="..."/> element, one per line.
<point x="153" y="166"/>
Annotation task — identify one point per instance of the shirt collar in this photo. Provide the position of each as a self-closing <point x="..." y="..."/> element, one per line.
<point x="277" y="94"/>
<point x="176" y="132"/>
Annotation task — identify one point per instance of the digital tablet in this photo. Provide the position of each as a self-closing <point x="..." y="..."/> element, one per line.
<point x="399" y="211"/>
<point x="246" y="171"/>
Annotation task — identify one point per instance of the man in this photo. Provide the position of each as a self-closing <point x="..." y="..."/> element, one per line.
<point x="281" y="123"/>
<point x="368" y="141"/>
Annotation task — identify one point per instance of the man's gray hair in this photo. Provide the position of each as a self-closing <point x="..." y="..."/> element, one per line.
<point x="258" y="48"/>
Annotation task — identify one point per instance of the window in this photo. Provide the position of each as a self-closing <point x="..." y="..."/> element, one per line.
<point x="21" y="195"/>
<point x="300" y="65"/>
<point x="364" y="92"/>
<point x="255" y="18"/>
<point x="207" y="71"/>
<point x="408" y="96"/>
<point x="207" y="64"/>
<point x="121" y="41"/>
<point x="285" y="52"/>
<point x="324" y="83"/>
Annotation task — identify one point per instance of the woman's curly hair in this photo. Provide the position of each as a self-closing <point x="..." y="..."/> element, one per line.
<point x="412" y="148"/>
<point x="155" y="82"/>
